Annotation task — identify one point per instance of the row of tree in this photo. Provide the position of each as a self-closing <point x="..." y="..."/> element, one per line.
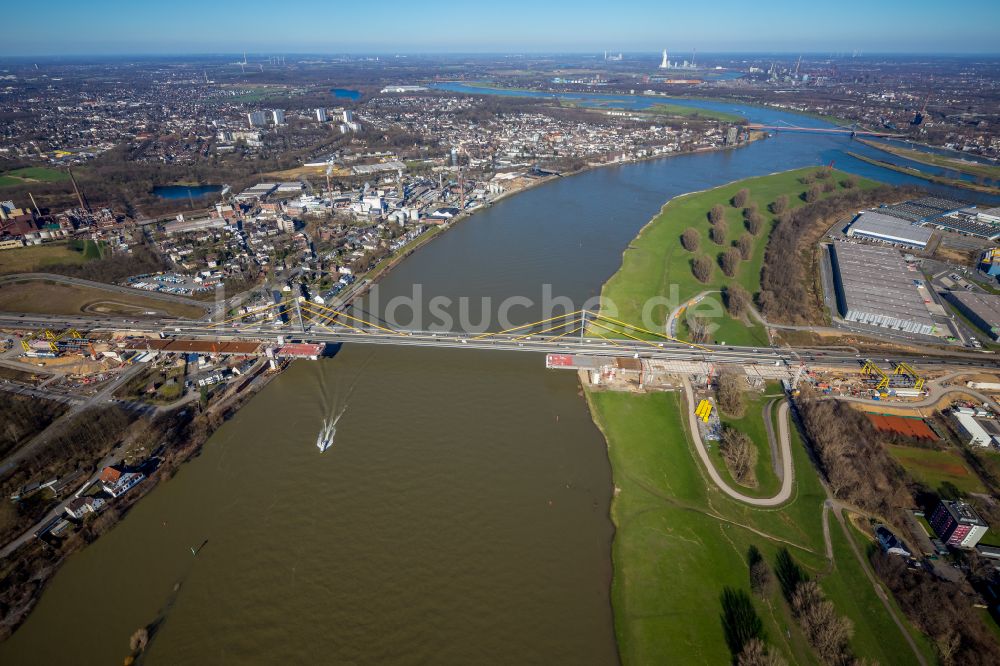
<point x="22" y="417"/>
<point x="853" y="459"/>
<point x="785" y="295"/>
<point x="76" y="444"/>
<point x="827" y="632"/>
<point x="114" y="267"/>
<point x="941" y="611"/>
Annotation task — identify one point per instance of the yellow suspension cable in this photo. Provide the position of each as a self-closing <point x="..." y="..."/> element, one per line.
<point x="597" y="323"/>
<point x="533" y="324"/>
<point x="319" y="323"/>
<point x="331" y="320"/>
<point x="566" y="333"/>
<point x="368" y="323"/>
<point x="546" y="330"/>
<point x="608" y="339"/>
<point x="643" y="330"/>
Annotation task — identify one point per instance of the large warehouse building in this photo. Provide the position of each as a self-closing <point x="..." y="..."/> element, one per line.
<point x="874" y="287"/>
<point x="888" y="229"/>
<point x="983" y="310"/>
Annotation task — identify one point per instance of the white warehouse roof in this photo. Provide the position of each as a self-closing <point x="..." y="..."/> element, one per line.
<point x="890" y="229"/>
<point x="875" y="288"/>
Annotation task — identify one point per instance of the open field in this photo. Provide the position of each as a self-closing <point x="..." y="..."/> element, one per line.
<point x="35" y="258"/>
<point x="31" y="175"/>
<point x="932" y="468"/>
<point x="42" y="297"/>
<point x="686" y="111"/>
<point x="942" y="161"/>
<point x="679" y="541"/>
<point x="656" y="265"/>
<point x="24" y="376"/>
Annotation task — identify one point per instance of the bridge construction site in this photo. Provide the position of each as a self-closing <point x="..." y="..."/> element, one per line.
<point x="607" y="352"/>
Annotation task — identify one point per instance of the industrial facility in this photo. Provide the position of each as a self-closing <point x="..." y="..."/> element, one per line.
<point x="925" y="209"/>
<point x="889" y="229"/>
<point x="875" y="287"/>
<point x="983" y="310"/>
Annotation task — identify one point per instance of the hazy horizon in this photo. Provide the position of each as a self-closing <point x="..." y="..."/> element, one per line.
<point x="101" y="28"/>
<point x="597" y="55"/>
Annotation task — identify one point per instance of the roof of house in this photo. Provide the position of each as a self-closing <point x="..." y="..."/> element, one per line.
<point x="110" y="475"/>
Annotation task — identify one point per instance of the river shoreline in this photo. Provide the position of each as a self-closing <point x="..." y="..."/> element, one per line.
<point x="230" y="410"/>
<point x="394" y="261"/>
<point x="931" y="178"/>
<point x="427" y="238"/>
<point x="212" y="418"/>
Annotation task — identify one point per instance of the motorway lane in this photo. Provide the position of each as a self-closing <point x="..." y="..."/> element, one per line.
<point x="510" y="342"/>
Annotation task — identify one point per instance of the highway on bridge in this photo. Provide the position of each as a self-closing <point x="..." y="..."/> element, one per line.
<point x="600" y="345"/>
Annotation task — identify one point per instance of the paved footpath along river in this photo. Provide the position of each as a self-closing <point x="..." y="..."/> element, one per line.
<point x="461" y="515"/>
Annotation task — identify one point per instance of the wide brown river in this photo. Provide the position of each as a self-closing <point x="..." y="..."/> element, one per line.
<point x="461" y="515"/>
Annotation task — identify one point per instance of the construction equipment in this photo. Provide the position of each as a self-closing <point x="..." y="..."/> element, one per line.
<point x="907" y="370"/>
<point x="874" y="373"/>
<point x="704" y="410"/>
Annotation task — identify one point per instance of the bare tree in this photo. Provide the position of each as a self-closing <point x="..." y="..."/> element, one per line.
<point x="717" y="214"/>
<point x="828" y="633"/>
<point x="698" y="329"/>
<point x="740" y="198"/>
<point x="849" y="183"/>
<point x="745" y="245"/>
<point x="813" y="194"/>
<point x="755" y="654"/>
<point x="740" y="455"/>
<point x="761" y="580"/>
<point x="779" y="205"/>
<point x="754" y="223"/>
<point x="730" y="261"/>
<point x="942" y="610"/>
<point x="702" y="268"/>
<point x="737" y="300"/>
<point x="719" y="232"/>
<point x="690" y="239"/>
<point x="730" y="387"/>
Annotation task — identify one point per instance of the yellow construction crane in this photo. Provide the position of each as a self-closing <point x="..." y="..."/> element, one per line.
<point x="873" y="371"/>
<point x="53" y="338"/>
<point x="26" y="340"/>
<point x="907" y="370"/>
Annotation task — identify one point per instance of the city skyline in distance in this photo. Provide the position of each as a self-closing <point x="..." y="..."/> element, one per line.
<point x="439" y="26"/>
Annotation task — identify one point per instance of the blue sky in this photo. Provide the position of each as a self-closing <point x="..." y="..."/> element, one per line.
<point x="436" y="26"/>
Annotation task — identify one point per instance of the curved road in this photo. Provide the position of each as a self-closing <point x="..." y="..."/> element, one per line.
<point x="788" y="472"/>
<point x="934" y="393"/>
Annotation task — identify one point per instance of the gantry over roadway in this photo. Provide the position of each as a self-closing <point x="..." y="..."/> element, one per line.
<point x="581" y="332"/>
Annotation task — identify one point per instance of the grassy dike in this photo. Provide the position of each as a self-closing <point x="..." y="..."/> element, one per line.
<point x="679" y="540"/>
<point x="655" y="263"/>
